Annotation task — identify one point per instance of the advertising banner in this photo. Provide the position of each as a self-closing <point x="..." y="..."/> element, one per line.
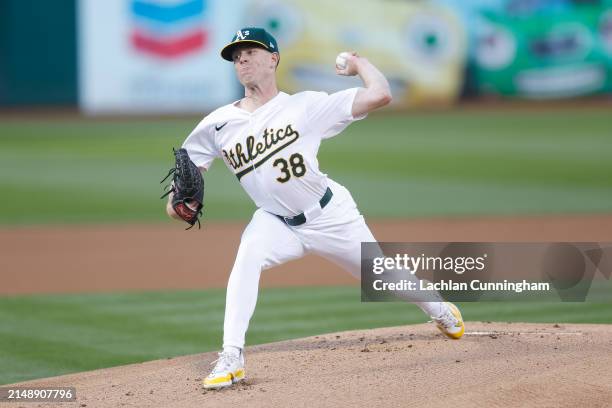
<point x="554" y="55"/>
<point x="537" y="49"/>
<point x="154" y="56"/>
<point x="419" y="46"/>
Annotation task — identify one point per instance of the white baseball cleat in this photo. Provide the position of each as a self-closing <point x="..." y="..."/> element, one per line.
<point x="450" y="322"/>
<point x="228" y="370"/>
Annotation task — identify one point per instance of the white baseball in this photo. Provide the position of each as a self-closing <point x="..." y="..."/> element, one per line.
<point x="341" y="60"/>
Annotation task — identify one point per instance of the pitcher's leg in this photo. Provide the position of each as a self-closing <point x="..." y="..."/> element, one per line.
<point x="342" y="245"/>
<point x="265" y="242"/>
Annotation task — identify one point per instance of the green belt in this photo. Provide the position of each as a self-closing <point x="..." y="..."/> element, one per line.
<point x="301" y="218"/>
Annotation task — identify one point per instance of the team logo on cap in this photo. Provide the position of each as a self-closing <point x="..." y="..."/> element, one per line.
<point x="240" y="35"/>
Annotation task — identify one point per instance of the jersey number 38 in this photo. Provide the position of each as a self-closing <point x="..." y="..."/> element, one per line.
<point x="294" y="167"/>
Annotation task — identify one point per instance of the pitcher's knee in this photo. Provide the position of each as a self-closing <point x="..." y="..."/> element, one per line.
<point x="249" y="256"/>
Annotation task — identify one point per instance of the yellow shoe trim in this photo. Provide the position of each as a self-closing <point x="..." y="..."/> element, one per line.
<point x="224" y="381"/>
<point x="218" y="380"/>
<point x="454" y="336"/>
<point x="455" y="311"/>
<point x="239" y="374"/>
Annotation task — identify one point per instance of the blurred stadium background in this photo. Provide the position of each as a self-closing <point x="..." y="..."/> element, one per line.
<point x="501" y="108"/>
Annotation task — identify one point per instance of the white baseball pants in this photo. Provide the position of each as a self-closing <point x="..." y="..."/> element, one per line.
<point x="336" y="234"/>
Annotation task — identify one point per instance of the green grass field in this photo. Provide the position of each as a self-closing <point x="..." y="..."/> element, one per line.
<point x="423" y="164"/>
<point x="43" y="336"/>
<point x="427" y="164"/>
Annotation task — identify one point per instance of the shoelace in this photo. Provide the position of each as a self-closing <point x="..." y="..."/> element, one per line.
<point x="447" y="320"/>
<point x="224" y="361"/>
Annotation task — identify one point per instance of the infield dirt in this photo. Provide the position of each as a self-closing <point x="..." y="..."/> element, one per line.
<point x="494" y="365"/>
<point x="73" y="259"/>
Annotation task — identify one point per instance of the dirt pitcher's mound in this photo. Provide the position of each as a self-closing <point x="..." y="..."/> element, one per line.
<point x="494" y="365"/>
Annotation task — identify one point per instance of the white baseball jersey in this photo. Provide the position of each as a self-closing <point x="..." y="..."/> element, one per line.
<point x="273" y="150"/>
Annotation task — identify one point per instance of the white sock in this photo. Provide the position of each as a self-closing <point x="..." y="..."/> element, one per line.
<point x="234" y="351"/>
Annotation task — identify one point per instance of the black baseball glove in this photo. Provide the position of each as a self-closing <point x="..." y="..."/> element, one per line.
<point x="187" y="187"/>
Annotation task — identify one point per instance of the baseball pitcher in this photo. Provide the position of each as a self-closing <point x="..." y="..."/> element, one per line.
<point x="269" y="140"/>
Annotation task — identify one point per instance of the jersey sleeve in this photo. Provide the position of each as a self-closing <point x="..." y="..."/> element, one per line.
<point x="201" y="146"/>
<point x="331" y="114"/>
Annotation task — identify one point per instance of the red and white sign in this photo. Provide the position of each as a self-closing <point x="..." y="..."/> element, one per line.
<point x="155" y="56"/>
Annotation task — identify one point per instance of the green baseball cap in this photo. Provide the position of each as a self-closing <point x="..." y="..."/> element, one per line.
<point x="254" y="35"/>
